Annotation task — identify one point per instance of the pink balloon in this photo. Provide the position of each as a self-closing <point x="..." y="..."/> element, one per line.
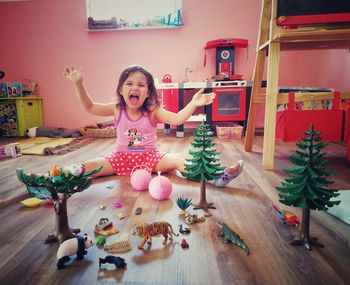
<point x="140" y="179"/>
<point x="160" y="187"/>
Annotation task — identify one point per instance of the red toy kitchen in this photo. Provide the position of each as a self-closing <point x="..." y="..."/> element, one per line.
<point x="232" y="92"/>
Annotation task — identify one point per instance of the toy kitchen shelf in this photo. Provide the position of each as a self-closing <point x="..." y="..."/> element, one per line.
<point x="17" y="114"/>
<point x="230" y="104"/>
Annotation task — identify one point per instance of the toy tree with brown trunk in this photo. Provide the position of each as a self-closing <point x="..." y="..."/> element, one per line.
<point x="204" y="165"/>
<point x="307" y="185"/>
<point x="58" y="186"/>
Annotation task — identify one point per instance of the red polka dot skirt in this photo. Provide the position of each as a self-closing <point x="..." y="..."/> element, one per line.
<point x="124" y="162"/>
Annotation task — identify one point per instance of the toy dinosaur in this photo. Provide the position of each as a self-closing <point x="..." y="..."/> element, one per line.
<point x="287" y="217"/>
<point x="230" y="236"/>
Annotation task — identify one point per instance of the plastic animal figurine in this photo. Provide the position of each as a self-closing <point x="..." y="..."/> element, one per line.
<point x="184" y="244"/>
<point x="190" y="219"/>
<point x="287" y="217"/>
<point x="76" y="245"/>
<point x="111" y="259"/>
<point x="230" y="236"/>
<point x="184" y="230"/>
<point x="147" y="231"/>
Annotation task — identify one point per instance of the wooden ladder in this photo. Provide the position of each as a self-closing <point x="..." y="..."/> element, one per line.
<point x="270" y="39"/>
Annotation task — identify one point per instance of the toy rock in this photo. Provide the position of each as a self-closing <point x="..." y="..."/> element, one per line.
<point x="105" y="227"/>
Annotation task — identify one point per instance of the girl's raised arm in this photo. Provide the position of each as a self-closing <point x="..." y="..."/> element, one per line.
<point x="199" y="99"/>
<point x="76" y="77"/>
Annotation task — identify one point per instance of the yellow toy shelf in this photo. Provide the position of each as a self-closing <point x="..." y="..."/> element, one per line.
<point x="17" y="114"/>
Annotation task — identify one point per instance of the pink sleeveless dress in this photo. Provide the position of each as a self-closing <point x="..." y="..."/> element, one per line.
<point x="136" y="144"/>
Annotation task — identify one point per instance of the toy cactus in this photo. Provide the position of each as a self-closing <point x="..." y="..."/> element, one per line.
<point x="183" y="203"/>
<point x="59" y="185"/>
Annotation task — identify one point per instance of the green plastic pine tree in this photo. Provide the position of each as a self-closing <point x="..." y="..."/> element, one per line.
<point x="204" y="165"/>
<point x="59" y="188"/>
<point x="307" y="185"/>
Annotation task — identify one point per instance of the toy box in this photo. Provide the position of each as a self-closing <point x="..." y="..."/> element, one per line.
<point x="291" y="123"/>
<point x="3" y="90"/>
<point x="229" y="131"/>
<point x="14" y="89"/>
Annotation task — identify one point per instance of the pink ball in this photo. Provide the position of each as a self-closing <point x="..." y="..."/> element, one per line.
<point x="160" y="187"/>
<point x="140" y="179"/>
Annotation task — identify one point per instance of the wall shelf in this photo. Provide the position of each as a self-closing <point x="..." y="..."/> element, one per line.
<point x="133" y="29"/>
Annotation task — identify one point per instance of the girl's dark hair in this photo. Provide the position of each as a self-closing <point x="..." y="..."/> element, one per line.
<point x="152" y="100"/>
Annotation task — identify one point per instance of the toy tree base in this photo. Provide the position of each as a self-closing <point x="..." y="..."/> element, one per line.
<point x="204" y="205"/>
<point x="307" y="242"/>
<point x="52" y="237"/>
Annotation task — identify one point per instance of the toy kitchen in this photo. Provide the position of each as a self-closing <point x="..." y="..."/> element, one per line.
<point x="232" y="93"/>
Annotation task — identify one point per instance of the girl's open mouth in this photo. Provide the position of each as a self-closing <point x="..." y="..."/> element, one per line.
<point x="134" y="99"/>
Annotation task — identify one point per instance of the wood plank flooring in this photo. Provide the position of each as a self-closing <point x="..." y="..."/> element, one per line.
<point x="246" y="206"/>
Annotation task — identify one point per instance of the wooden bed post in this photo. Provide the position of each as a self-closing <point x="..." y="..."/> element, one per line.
<point x="270" y="38"/>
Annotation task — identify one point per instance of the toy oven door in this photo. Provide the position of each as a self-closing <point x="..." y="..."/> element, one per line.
<point x="229" y="104"/>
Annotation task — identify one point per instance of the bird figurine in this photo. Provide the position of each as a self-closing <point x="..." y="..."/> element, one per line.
<point x="184" y="230"/>
<point x="287" y="217"/>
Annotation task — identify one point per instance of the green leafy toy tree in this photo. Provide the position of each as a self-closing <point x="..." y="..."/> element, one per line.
<point x="306" y="187"/>
<point x="204" y="165"/>
<point x="59" y="185"/>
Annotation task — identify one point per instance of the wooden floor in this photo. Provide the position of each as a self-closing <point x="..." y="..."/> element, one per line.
<point x="246" y="206"/>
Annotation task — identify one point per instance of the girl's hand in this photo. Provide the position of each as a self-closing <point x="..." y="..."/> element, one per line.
<point x="73" y="74"/>
<point x="201" y="99"/>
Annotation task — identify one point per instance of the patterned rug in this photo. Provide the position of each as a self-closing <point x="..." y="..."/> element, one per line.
<point x="52" y="146"/>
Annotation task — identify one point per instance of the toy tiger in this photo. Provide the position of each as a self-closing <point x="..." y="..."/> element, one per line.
<point x="147" y="231"/>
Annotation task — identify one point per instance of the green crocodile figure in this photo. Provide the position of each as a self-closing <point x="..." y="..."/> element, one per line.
<point x="230" y="236"/>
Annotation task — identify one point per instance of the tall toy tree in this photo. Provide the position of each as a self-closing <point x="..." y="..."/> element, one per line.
<point x="204" y="164"/>
<point x="59" y="185"/>
<point x="307" y="184"/>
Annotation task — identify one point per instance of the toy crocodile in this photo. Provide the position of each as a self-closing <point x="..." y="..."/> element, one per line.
<point x="230" y="236"/>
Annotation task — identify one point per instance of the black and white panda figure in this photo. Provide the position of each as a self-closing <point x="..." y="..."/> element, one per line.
<point x="76" y="245"/>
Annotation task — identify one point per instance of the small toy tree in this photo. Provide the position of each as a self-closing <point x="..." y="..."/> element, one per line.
<point x="203" y="166"/>
<point x="59" y="185"/>
<point x="306" y="187"/>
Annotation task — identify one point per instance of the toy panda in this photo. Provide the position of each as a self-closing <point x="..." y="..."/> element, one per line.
<point x="76" y="245"/>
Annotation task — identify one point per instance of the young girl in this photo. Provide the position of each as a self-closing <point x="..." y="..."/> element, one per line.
<point x="137" y="112"/>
